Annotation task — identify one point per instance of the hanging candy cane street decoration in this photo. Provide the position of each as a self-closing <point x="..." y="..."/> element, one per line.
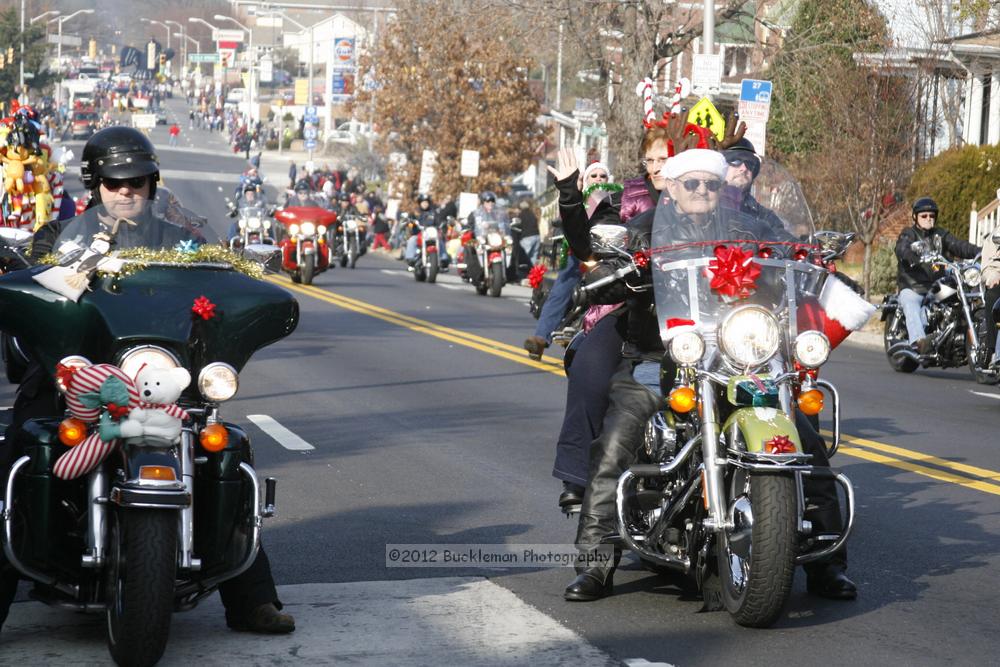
<point x="645" y="91"/>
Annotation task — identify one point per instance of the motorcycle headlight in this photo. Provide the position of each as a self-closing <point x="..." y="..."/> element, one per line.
<point x="308" y="228"/>
<point x="350" y="225"/>
<point x="494" y="240"/>
<point x="146" y="355"/>
<point x="293" y="229"/>
<point x="243" y="223"/>
<point x="687" y="348"/>
<point x="321" y="230"/>
<point x="971" y="276"/>
<point x="253" y="223"/>
<point x="430" y="233"/>
<point x="812" y="349"/>
<point x="218" y="382"/>
<point x="749" y="336"/>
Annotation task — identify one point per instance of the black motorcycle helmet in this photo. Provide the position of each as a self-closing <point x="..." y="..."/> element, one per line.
<point x="486" y="196"/>
<point x="118" y="152"/>
<point x="302" y="186"/>
<point x="924" y="205"/>
<point x="422" y="197"/>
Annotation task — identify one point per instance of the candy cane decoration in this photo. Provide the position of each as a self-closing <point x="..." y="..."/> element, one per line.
<point x="645" y="91"/>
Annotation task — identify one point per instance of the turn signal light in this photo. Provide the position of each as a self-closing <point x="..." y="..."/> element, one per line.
<point x="811" y="402"/>
<point x="72" y="432"/>
<point x="683" y="400"/>
<point x="158" y="473"/>
<point x="214" y="437"/>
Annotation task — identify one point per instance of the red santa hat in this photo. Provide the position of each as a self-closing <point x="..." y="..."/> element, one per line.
<point x="836" y="313"/>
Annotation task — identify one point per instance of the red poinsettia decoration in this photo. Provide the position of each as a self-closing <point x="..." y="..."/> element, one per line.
<point x="117" y="411"/>
<point x="536" y="275"/>
<point x="641" y="259"/>
<point x="64" y="374"/>
<point x="203" y="308"/>
<point x="733" y="272"/>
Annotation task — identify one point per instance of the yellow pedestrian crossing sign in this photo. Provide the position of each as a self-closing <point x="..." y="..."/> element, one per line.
<point x="704" y="114"/>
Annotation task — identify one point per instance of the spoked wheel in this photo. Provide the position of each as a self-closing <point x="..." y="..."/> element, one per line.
<point x="757" y="556"/>
<point x="980" y="358"/>
<point x="895" y="332"/>
<point x="139" y="588"/>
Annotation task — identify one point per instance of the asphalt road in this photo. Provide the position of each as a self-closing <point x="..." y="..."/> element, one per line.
<point x="428" y="426"/>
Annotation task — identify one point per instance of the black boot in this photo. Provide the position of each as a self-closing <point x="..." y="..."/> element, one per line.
<point x="571" y="496"/>
<point x="595" y="566"/>
<point x="828" y="577"/>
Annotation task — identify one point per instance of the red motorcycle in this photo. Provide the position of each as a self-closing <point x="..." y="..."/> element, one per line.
<point x="304" y="250"/>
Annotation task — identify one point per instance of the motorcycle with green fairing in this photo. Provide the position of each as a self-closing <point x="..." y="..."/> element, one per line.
<point x="717" y="498"/>
<point x="159" y="523"/>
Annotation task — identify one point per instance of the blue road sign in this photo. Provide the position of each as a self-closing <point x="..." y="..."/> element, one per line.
<point x="754" y="90"/>
<point x="310" y="144"/>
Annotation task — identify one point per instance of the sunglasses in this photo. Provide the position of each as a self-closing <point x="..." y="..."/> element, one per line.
<point x="711" y="184"/>
<point x="597" y="175"/>
<point x="135" y="182"/>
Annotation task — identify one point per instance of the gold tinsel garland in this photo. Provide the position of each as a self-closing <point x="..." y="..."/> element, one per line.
<point x="137" y="259"/>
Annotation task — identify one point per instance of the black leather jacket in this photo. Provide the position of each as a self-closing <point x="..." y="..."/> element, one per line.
<point x="919" y="277"/>
<point x="642" y="334"/>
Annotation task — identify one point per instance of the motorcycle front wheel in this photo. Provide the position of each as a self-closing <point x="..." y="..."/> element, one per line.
<point x="142" y="558"/>
<point x="308" y="269"/>
<point x="432" y="268"/>
<point x="757" y="556"/>
<point x="418" y="272"/>
<point x="353" y="252"/>
<point x="496" y="279"/>
<point x="893" y="333"/>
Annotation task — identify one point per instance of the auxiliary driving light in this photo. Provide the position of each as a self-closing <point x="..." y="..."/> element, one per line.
<point x="157" y="473"/>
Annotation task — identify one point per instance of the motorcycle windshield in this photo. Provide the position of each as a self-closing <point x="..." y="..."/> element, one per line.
<point x="149" y="300"/>
<point x="743" y="299"/>
<point x="136" y="223"/>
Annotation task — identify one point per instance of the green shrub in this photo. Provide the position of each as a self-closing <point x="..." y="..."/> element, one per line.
<point x="884" y="269"/>
<point x="955" y="179"/>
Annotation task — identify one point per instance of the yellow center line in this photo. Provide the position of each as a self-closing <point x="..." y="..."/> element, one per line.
<point x="422" y="326"/>
<point x="856" y="447"/>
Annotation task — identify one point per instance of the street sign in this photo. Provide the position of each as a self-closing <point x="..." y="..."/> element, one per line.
<point x="311" y="114"/>
<point x="222" y="35"/>
<point x="203" y="57"/>
<point x="704" y="114"/>
<point x="469" y="167"/>
<point x="266" y="69"/>
<point x="343" y="52"/>
<point x="706" y="72"/>
<point x="309" y="131"/>
<point x="428" y="163"/>
<point x="310" y="144"/>
<point x="754" y="90"/>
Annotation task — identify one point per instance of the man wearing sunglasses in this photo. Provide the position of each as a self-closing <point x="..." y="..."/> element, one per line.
<point x="743" y="168"/>
<point x="121" y="170"/>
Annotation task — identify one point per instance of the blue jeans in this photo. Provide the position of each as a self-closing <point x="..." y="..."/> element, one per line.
<point x="529" y="244"/>
<point x="411" y="249"/>
<point x="916" y="320"/>
<point x="554" y="308"/>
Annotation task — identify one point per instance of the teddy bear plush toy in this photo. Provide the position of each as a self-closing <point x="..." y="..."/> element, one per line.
<point x="158" y="414"/>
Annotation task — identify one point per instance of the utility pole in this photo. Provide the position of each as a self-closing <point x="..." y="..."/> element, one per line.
<point x="708" y="28"/>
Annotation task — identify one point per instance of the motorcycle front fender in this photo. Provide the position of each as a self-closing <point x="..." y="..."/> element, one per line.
<point x="759" y="425"/>
<point x="134" y="491"/>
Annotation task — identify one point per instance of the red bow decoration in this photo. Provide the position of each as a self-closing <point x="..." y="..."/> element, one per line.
<point x="203" y="308"/>
<point x="641" y="259"/>
<point x="733" y="272"/>
<point x="780" y="444"/>
<point x="64" y="374"/>
<point x="679" y="322"/>
<point x="536" y="276"/>
<point x="117" y="411"/>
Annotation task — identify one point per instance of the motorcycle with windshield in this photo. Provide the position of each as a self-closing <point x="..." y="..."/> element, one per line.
<point x="158" y="523"/>
<point x="717" y="496"/>
<point x="427" y="262"/>
<point x="957" y="318"/>
<point x="253" y="226"/>
<point x="492" y="251"/>
<point x="302" y="239"/>
<point x="348" y="239"/>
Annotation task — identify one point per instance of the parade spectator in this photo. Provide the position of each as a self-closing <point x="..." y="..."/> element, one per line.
<point x="174" y="131"/>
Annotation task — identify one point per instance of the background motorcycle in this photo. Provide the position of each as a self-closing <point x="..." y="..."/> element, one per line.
<point x="957" y="321"/>
<point x="158" y="525"/>
<point x="254" y="224"/>
<point x="304" y="250"/>
<point x="427" y="263"/>
<point x="350" y="240"/>
<point x="491" y="249"/>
